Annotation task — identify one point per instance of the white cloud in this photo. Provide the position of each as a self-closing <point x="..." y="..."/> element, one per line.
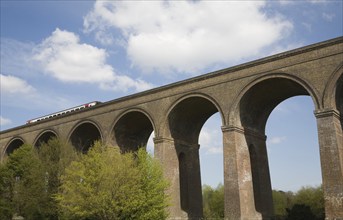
<point x="294" y="2"/>
<point x="287" y="2"/>
<point x="122" y="82"/>
<point x="16" y="58"/>
<point x="215" y="150"/>
<point x="318" y="1"/>
<point x="328" y="17"/>
<point x="150" y="145"/>
<point x="276" y="140"/>
<point x="66" y="59"/>
<point x="14" y="85"/>
<point x="307" y="26"/>
<point x="210" y="141"/>
<point x="4" y="121"/>
<point x="17" y="93"/>
<point x="187" y="36"/>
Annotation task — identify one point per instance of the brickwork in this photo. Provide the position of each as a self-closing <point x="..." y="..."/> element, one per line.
<point x="244" y="96"/>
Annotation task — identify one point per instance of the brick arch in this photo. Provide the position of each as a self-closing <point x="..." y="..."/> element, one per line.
<point x="186" y="118"/>
<point x="333" y="90"/>
<point x="186" y="103"/>
<point x="132" y="129"/>
<point x="257" y="100"/>
<point x="84" y="134"/>
<point x="13" y="144"/>
<point x="315" y="63"/>
<point x="339" y="103"/>
<point x="249" y="116"/>
<point x="339" y="95"/>
<point x="330" y="132"/>
<point x="44" y="137"/>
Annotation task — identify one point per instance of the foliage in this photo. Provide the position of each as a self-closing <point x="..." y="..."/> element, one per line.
<point x="29" y="179"/>
<point x="101" y="185"/>
<point x="282" y="201"/>
<point x="307" y="203"/>
<point x="54" y="182"/>
<point x="153" y="186"/>
<point x="213" y="202"/>
<point x="312" y="197"/>
<point x="105" y="184"/>
<point x="55" y="156"/>
<point x="21" y="179"/>
<point x="300" y="212"/>
<point x="308" y="200"/>
<point x="6" y="193"/>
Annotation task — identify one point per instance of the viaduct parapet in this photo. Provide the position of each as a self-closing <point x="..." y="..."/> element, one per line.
<point x="244" y="96"/>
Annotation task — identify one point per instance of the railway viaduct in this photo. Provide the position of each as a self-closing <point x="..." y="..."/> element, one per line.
<point x="244" y="96"/>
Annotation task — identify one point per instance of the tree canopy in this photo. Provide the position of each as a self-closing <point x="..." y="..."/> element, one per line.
<point x="105" y="184"/>
<point x="55" y="182"/>
<point x="22" y="186"/>
<point x="306" y="203"/>
<point x="213" y="202"/>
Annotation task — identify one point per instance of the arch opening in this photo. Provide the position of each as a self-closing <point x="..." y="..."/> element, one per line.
<point x="132" y="131"/>
<point x="150" y="145"/>
<point x="339" y="97"/>
<point x="84" y="136"/>
<point x="257" y="104"/>
<point x="14" y="145"/>
<point x="255" y="108"/>
<point x="211" y="167"/>
<point x="339" y="106"/>
<point x="44" y="138"/>
<point x="186" y="120"/>
<point x="293" y="148"/>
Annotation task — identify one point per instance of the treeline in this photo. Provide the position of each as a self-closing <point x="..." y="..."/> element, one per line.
<point x="213" y="202"/>
<point x="56" y="182"/>
<point x="305" y="204"/>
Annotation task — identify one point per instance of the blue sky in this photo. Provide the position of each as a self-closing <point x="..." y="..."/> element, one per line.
<point x="59" y="54"/>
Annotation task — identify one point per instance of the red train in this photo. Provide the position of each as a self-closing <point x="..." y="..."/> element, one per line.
<point x="69" y="110"/>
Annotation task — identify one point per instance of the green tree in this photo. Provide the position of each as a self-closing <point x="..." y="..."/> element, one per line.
<point x="30" y="178"/>
<point x="282" y="201"/>
<point x="307" y="199"/>
<point x="23" y="181"/>
<point x="300" y="212"/>
<point x="105" y="184"/>
<point x="213" y="202"/>
<point x="153" y="186"/>
<point x="6" y="192"/>
<point x="55" y="156"/>
<point x="312" y="197"/>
